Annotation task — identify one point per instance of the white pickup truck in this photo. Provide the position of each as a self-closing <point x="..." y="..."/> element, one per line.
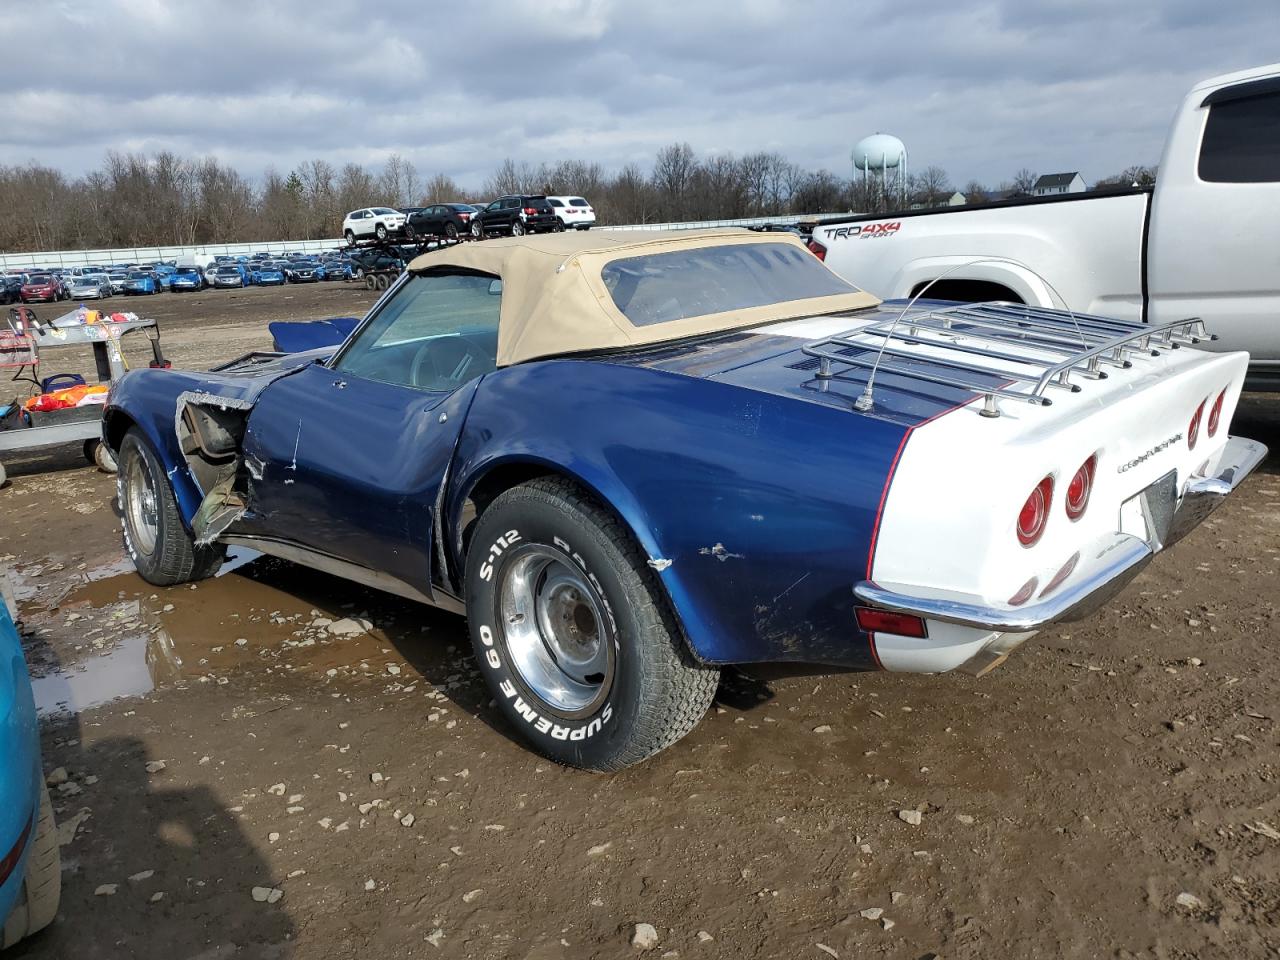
<point x="1205" y="241"/>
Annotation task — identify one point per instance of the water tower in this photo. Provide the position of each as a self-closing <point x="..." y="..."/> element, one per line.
<point x="884" y="155"/>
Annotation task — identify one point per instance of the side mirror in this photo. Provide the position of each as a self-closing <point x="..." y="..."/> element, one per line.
<point x="495" y="288"/>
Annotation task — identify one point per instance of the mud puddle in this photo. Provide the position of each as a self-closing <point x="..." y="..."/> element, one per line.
<point x="114" y="636"/>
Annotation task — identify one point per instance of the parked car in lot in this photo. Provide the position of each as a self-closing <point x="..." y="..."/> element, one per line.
<point x="445" y="220"/>
<point x="89" y="286"/>
<point x="229" y="275"/>
<point x="337" y="269"/>
<point x="379" y="222"/>
<point x="42" y="287"/>
<point x="266" y="275"/>
<point x="371" y="261"/>
<point x="607" y="574"/>
<point x="117" y="280"/>
<point x="140" y="282"/>
<point x="186" y="278"/>
<point x="574" y="212"/>
<point x="11" y="288"/>
<point x="1201" y="242"/>
<point x="516" y="215"/>
<point x="30" y="867"/>
<point x="304" y="271"/>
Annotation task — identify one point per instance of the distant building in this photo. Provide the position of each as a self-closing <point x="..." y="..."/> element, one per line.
<point x="1052" y="184"/>
<point x="956" y="199"/>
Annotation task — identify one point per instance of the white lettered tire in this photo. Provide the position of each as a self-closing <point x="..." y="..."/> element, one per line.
<point x="41" y="884"/>
<point x="573" y="632"/>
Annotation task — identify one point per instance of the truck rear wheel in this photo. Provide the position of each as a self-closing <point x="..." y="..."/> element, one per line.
<point x="573" y="633"/>
<point x="41" y="885"/>
<point x="162" y="550"/>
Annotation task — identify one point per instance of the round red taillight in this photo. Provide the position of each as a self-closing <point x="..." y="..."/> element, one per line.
<point x="1080" y="487"/>
<point x="1034" y="513"/>
<point x="1215" y="413"/>
<point x="1193" y="428"/>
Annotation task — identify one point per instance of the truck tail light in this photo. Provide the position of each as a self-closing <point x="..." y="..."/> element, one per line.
<point x="886" y="621"/>
<point x="1215" y="413"/>
<point x="1193" y="428"/>
<point x="1035" y="512"/>
<point x="1080" y="487"/>
<point x="817" y="249"/>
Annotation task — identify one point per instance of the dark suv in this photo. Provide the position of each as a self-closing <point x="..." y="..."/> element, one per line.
<point x="516" y="215"/>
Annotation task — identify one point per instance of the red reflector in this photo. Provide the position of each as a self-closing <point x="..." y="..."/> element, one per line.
<point x="818" y="250"/>
<point x="886" y="621"/>
<point x="1215" y="414"/>
<point x="1023" y="595"/>
<point x="1035" y="512"/>
<point x="1193" y="428"/>
<point x="1080" y="487"/>
<point x="1067" y="569"/>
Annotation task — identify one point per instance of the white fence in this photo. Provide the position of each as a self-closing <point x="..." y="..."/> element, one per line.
<point x="76" y="258"/>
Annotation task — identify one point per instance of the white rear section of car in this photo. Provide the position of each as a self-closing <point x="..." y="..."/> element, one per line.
<point x="949" y="523"/>
<point x="573" y="211"/>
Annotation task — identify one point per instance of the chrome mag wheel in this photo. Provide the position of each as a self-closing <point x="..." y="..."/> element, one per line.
<point x="140" y="510"/>
<point x="559" y="636"/>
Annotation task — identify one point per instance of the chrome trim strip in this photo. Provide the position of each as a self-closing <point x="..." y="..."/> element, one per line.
<point x="345" y="569"/>
<point x="1114" y="564"/>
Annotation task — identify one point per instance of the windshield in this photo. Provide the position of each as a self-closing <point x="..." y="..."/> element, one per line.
<point x="228" y="272"/>
<point x="138" y="276"/>
<point x="660" y="287"/>
<point x="41" y="278"/>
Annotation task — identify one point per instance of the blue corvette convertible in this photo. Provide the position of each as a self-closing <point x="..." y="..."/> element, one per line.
<point x="30" y="873"/>
<point x="630" y="459"/>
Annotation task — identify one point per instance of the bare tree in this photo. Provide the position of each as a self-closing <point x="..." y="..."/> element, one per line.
<point x="1024" y="181"/>
<point x="672" y="177"/>
<point x="974" y="192"/>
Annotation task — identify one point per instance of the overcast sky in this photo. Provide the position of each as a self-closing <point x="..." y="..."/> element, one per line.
<point x="979" y="88"/>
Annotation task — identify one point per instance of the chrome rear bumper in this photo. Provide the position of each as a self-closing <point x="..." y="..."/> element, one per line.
<point x="1105" y="567"/>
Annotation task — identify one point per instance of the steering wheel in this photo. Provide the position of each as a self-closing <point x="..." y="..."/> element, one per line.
<point x="444" y="363"/>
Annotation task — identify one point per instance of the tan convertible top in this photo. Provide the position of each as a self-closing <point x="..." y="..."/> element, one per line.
<point x="555" y="302"/>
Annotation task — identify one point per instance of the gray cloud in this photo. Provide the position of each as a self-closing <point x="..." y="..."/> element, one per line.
<point x="979" y="90"/>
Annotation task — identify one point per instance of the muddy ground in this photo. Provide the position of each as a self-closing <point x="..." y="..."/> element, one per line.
<point x="1069" y="800"/>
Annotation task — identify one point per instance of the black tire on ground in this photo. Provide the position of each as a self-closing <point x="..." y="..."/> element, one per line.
<point x="383" y="281"/>
<point x="517" y="228"/>
<point x="573" y="632"/>
<point x="154" y="537"/>
<point x="380" y="231"/>
<point x="371" y="282"/>
<point x="451" y="231"/>
<point x="41" y="885"/>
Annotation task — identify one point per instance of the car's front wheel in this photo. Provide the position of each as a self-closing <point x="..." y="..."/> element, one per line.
<point x="350" y="236"/>
<point x="573" y="632"/>
<point x="380" y="231"/>
<point x="160" y="547"/>
<point x="477" y="229"/>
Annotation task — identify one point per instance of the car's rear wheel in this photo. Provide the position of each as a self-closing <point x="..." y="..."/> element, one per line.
<point x="161" y="548"/>
<point x="41" y="884"/>
<point x="573" y="632"/>
<point x="409" y="232"/>
<point x="517" y="228"/>
<point x="450" y="231"/>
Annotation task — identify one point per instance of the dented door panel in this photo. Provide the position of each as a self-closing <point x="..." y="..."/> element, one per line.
<point x="351" y="467"/>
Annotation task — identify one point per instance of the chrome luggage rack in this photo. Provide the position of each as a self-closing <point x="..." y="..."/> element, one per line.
<point x="1051" y="345"/>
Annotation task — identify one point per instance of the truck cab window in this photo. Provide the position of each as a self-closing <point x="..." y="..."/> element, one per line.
<point x="1242" y="141"/>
